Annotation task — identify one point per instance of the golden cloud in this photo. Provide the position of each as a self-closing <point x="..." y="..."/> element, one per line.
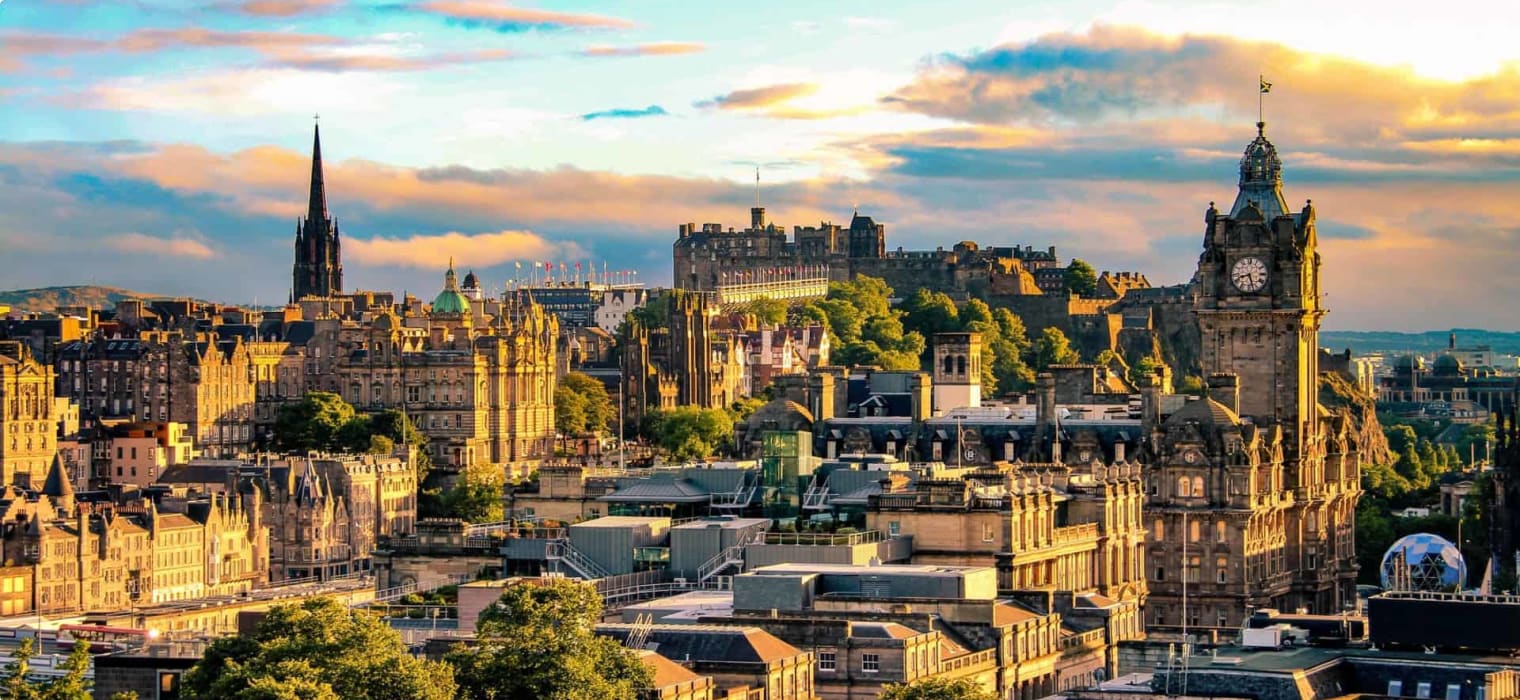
<point x="510" y="17"/>
<point x="761" y="97"/>
<point x="143" y="244"/>
<point x="436" y="251"/>
<point x="661" y="48"/>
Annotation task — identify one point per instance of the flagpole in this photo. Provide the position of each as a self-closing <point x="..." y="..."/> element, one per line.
<point x="1261" y="96"/>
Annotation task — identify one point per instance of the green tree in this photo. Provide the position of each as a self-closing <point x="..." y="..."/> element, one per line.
<point x="476" y="496"/>
<point x="317" y="649"/>
<point x="689" y="432"/>
<point x="1052" y="348"/>
<point x="16" y="684"/>
<point x="539" y="641"/>
<point x="380" y="445"/>
<point x="928" y="312"/>
<point x="1140" y="372"/>
<point x="591" y="399"/>
<point x="768" y="311"/>
<point x="315" y="422"/>
<point x="844" y="319"/>
<point x="937" y="689"/>
<point x="1192" y="385"/>
<point x="1081" y="279"/>
<point x="401" y="429"/>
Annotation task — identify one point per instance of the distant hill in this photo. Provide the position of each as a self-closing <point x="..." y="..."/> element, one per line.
<point x="1505" y="342"/>
<point x="50" y="298"/>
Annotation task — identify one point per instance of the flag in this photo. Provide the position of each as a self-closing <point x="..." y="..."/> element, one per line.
<point x="518" y="264"/>
<point x="1266" y="87"/>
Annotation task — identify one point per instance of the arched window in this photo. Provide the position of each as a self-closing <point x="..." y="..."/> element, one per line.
<point x="949" y="365"/>
<point x="1182" y="487"/>
<point x="1160" y="530"/>
<point x="960" y="365"/>
<point x="1197" y="487"/>
<point x="1194" y="531"/>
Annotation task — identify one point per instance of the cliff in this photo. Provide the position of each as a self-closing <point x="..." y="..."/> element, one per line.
<point x="1338" y="394"/>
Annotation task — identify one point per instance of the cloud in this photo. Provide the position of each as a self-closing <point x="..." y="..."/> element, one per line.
<point x="660" y="48"/>
<point x="148" y="40"/>
<point x="760" y="97"/>
<point x="143" y="244"/>
<point x="389" y="62"/>
<point x="507" y="18"/>
<point x="436" y="251"/>
<point x="282" y="8"/>
<point x="650" y="111"/>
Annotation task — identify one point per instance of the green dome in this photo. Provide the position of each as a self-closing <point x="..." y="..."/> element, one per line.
<point x="450" y="301"/>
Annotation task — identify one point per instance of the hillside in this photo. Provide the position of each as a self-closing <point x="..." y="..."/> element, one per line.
<point x="49" y="298"/>
<point x="1362" y="342"/>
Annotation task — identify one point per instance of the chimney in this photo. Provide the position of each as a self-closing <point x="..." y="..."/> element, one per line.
<point x="1045" y="398"/>
<point x="1224" y="387"/>
<point x="821" y="396"/>
<point x="920" y="386"/>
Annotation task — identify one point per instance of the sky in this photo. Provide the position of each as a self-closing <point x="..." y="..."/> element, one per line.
<point x="164" y="146"/>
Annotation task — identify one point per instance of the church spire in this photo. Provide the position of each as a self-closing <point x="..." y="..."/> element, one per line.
<point x="317" y="207"/>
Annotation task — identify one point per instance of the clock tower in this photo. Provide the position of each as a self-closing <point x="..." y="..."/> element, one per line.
<point x="1257" y="299"/>
<point x="1254" y="486"/>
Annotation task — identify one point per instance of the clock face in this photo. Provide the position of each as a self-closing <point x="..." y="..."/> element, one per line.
<point x="970" y="454"/>
<point x="1249" y="274"/>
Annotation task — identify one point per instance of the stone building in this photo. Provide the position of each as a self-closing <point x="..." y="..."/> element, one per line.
<point x="324" y="513"/>
<point x="1253" y="488"/>
<point x="28" y="424"/>
<point x="104" y="557"/>
<point x="198" y="379"/>
<point x="688" y="363"/>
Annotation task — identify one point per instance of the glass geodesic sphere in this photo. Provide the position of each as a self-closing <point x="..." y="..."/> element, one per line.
<point x="1423" y="562"/>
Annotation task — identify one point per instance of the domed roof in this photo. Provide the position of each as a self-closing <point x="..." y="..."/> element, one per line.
<point x="1204" y="411"/>
<point x="470" y="282"/>
<point x="1447" y="365"/>
<point x="450" y="301"/>
<point x="1405" y="363"/>
<point x="1423" y="562"/>
<point x="1260" y="179"/>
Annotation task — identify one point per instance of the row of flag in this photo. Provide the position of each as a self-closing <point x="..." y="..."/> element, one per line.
<point x="773" y="274"/>
<point x="605" y="277"/>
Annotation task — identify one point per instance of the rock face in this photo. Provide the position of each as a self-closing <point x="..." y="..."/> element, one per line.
<point x="1336" y="393"/>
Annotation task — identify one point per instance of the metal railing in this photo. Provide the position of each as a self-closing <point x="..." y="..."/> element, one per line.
<point x="562" y="552"/>
<point x="824" y="539"/>
<point x="729" y="556"/>
<point x="621" y="597"/>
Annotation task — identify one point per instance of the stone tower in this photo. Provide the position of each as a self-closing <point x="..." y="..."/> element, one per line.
<point x="319" y="260"/>
<point x="1252" y="498"/>
<point x="957" y="371"/>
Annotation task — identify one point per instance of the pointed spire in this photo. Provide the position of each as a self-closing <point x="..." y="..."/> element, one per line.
<point x="57" y="485"/>
<point x="317" y="208"/>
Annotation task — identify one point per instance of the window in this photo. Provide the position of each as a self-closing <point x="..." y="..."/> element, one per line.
<point x="1160" y="573"/>
<point x="1160" y="530"/>
<point x="1221" y="566"/>
<point x="1221" y="532"/>
<point x="1195" y="531"/>
<point x="987" y="532"/>
<point x="1197" y="487"/>
<point x="894" y="528"/>
<point x="826" y="660"/>
<point x="1194" y="564"/>
<point x="1182" y="487"/>
<point x="870" y="663"/>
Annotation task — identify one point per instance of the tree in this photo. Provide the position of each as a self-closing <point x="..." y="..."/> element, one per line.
<point x="539" y="641"/>
<point x="1081" y="279"/>
<point x="588" y="397"/>
<point x="380" y="445"/>
<point x="476" y="496"/>
<point x="1143" y="369"/>
<point x="401" y="429"/>
<point x="16" y="684"/>
<point x="689" y="432"/>
<point x="317" y="649"/>
<point x="928" y="312"/>
<point x="1053" y="348"/>
<point x="768" y="311"/>
<point x="937" y="689"/>
<point x="313" y="423"/>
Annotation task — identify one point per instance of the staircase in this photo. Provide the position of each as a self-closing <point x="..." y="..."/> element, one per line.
<point x="731" y="556"/>
<point x="816" y="497"/>
<point x="564" y="554"/>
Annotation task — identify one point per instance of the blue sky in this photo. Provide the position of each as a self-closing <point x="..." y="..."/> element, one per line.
<point x="162" y="145"/>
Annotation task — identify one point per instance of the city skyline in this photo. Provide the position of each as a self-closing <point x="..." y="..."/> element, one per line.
<point x="166" y="149"/>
